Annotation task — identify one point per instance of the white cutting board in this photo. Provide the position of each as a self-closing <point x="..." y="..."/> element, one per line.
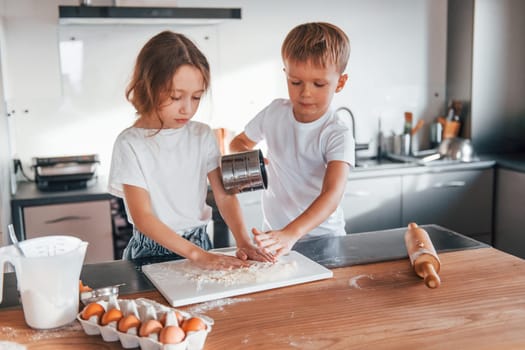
<point x="179" y="289"/>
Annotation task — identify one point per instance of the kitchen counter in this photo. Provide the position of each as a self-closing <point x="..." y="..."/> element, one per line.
<point x="390" y="168"/>
<point x="27" y="193"/>
<point x="382" y="305"/>
<point x="510" y="161"/>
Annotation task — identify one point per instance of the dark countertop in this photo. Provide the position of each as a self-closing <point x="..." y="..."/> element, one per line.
<point x="331" y="252"/>
<point x="509" y="161"/>
<point x="377" y="246"/>
<point x="28" y="194"/>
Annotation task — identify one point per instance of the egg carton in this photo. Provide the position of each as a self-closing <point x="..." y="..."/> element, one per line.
<point x="145" y="310"/>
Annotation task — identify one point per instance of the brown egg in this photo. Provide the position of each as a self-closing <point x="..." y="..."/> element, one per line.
<point x="110" y="316"/>
<point x="193" y="324"/>
<point x="128" y="322"/>
<point x="93" y="309"/>
<point x="150" y="327"/>
<point x="171" y="335"/>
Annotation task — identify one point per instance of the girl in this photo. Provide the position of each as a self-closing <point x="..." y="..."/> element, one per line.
<point x="160" y="164"/>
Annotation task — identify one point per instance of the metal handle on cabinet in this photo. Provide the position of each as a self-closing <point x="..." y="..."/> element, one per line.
<point x="449" y="184"/>
<point x="67" y="218"/>
<point x="357" y="194"/>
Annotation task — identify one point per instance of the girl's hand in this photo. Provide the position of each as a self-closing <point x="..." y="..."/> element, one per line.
<point x="217" y="261"/>
<point x="254" y="253"/>
<point x="277" y="242"/>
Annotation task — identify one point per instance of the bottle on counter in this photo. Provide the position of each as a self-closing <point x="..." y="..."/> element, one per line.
<point x="407" y="133"/>
<point x="408" y="123"/>
<point x="436" y="132"/>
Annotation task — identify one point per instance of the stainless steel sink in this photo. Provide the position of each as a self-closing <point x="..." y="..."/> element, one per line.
<point x="419" y="159"/>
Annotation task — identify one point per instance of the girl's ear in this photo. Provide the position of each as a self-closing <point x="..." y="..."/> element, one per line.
<point x="341" y="82"/>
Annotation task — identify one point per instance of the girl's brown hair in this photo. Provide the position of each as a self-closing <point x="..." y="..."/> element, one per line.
<point x="156" y="64"/>
<point x="318" y="42"/>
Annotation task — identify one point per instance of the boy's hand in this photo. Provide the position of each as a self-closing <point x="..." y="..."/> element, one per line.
<point x="254" y="253"/>
<point x="277" y="242"/>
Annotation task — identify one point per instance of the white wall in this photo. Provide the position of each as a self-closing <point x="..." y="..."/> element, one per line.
<point x="5" y="159"/>
<point x="397" y="63"/>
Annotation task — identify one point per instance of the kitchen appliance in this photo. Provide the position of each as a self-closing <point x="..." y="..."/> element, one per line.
<point x="457" y="148"/>
<point x="454" y="148"/>
<point x="65" y="172"/>
<point x="88" y="14"/>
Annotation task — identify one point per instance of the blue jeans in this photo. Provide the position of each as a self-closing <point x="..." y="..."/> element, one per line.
<point x="141" y="246"/>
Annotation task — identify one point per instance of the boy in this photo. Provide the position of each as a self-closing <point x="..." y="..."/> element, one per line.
<point x="310" y="149"/>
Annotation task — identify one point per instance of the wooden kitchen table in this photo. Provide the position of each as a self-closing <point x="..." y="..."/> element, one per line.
<point x="480" y="305"/>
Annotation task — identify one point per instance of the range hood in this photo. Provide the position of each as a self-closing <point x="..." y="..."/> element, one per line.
<point x="83" y="14"/>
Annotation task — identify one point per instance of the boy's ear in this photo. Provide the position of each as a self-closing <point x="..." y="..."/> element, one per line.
<point x="341" y="83"/>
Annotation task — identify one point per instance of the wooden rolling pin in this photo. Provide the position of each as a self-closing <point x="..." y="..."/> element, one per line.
<point x="422" y="254"/>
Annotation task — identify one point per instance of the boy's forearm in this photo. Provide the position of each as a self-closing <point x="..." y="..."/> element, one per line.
<point x="320" y="209"/>
<point x="241" y="143"/>
<point x="326" y="203"/>
<point x="238" y="146"/>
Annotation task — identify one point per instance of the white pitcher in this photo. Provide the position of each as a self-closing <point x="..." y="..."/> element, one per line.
<point x="48" y="278"/>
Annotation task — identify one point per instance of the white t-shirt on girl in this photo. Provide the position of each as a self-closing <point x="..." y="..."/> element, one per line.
<point x="298" y="154"/>
<point x="172" y="166"/>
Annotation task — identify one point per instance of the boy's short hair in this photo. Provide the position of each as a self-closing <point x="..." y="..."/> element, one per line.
<point x="318" y="42"/>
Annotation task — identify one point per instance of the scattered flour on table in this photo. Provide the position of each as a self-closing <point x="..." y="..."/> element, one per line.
<point x="7" y="345"/>
<point x="256" y="272"/>
<point x="354" y="280"/>
<point x="36" y="335"/>
<point x="60" y="332"/>
<point x="215" y="304"/>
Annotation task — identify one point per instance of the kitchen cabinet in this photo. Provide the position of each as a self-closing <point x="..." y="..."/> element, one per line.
<point x="458" y="200"/>
<point x="90" y="221"/>
<point x="372" y="204"/>
<point x="509" y="234"/>
<point x="32" y="66"/>
<point x="86" y="213"/>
